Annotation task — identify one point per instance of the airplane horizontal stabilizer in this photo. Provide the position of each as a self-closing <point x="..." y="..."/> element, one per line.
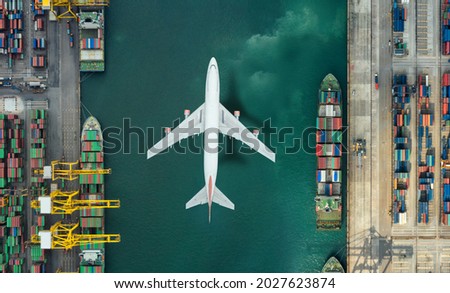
<point x="200" y="198"/>
<point x="220" y="199"/>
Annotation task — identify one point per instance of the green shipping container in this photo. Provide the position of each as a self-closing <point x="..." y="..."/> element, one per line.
<point x="337" y="136"/>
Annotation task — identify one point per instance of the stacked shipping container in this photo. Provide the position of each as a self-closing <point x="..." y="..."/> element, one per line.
<point x="91" y="43"/>
<point x="425" y="150"/>
<point x="11" y="233"/>
<point x="12" y="249"/>
<point x="3" y="27"/>
<point x="14" y="160"/>
<point x="445" y="38"/>
<point x="14" y="24"/>
<point x="38" y="43"/>
<point x="445" y="148"/>
<point x="4" y="256"/>
<point x="402" y="147"/>
<point x="92" y="188"/>
<point x="38" y="61"/>
<point x="38" y="143"/>
<point x="38" y="137"/>
<point x="399" y="17"/>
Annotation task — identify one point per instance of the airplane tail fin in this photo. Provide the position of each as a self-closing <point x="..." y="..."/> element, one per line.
<point x="201" y="198"/>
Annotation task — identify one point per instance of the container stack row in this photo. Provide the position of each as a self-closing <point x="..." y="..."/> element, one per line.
<point x="445" y="95"/>
<point x="39" y="38"/>
<point x="38" y="137"/>
<point x="3" y="138"/>
<point x="13" y="16"/>
<point x="91" y="43"/>
<point x="425" y="151"/>
<point x="39" y="61"/>
<point x="398" y="17"/>
<point x="36" y="11"/>
<point x="37" y="147"/>
<point x="402" y="147"/>
<point x="14" y="160"/>
<point x="4" y="199"/>
<point x="445" y="197"/>
<point x="445" y="38"/>
<point x="38" y="43"/>
<point x="36" y="254"/>
<point x="12" y="238"/>
<point x="13" y="138"/>
<point x="3" y="27"/>
<point x="445" y="148"/>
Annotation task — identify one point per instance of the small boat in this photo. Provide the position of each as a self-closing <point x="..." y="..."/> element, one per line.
<point x="333" y="266"/>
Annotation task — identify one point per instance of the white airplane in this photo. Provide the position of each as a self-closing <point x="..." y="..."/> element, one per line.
<point x="211" y="117"/>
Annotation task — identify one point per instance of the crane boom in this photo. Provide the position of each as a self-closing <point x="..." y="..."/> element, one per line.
<point x="63" y="203"/>
<point x="62" y="236"/>
<point x="67" y="171"/>
<point x="68" y="4"/>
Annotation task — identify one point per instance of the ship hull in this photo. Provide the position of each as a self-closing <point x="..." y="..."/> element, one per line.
<point x="333" y="266"/>
<point x="92" y="221"/>
<point x="329" y="155"/>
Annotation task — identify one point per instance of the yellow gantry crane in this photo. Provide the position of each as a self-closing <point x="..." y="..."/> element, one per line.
<point x="63" y="236"/>
<point x="64" y="203"/>
<point x="66" y="6"/>
<point x="67" y="171"/>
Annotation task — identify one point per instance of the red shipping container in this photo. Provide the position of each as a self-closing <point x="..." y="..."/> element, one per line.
<point x="319" y="150"/>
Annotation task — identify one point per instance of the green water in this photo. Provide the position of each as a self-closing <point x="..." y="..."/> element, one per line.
<point x="272" y="56"/>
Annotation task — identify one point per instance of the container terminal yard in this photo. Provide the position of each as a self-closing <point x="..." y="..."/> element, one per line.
<point x="398" y="208"/>
<point x="52" y="197"/>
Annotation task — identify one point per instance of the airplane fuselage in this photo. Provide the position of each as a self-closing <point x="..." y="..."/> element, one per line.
<point x="211" y="126"/>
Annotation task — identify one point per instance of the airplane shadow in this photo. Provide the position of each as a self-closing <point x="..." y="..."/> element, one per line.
<point x="233" y="101"/>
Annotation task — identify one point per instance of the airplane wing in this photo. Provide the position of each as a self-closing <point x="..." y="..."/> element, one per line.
<point x="193" y="124"/>
<point x="231" y="126"/>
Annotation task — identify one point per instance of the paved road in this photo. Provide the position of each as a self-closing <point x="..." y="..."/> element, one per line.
<point x="368" y="110"/>
<point x="374" y="244"/>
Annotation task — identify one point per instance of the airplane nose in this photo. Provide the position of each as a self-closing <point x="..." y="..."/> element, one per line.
<point x="212" y="77"/>
<point x="213" y="62"/>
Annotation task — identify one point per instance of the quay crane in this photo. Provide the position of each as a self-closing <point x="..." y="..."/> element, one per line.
<point x="63" y="236"/>
<point x="63" y="203"/>
<point x="53" y="5"/>
<point x="67" y="170"/>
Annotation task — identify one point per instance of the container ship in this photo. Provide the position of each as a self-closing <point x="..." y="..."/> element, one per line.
<point x="329" y="153"/>
<point x="92" y="221"/>
<point x="91" y="30"/>
<point x="333" y="266"/>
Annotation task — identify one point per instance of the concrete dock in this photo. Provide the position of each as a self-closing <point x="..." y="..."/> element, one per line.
<point x="62" y="101"/>
<point x="374" y="243"/>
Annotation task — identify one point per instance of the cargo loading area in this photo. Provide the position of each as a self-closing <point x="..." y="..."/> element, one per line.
<point x="40" y="126"/>
<point x="398" y="208"/>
